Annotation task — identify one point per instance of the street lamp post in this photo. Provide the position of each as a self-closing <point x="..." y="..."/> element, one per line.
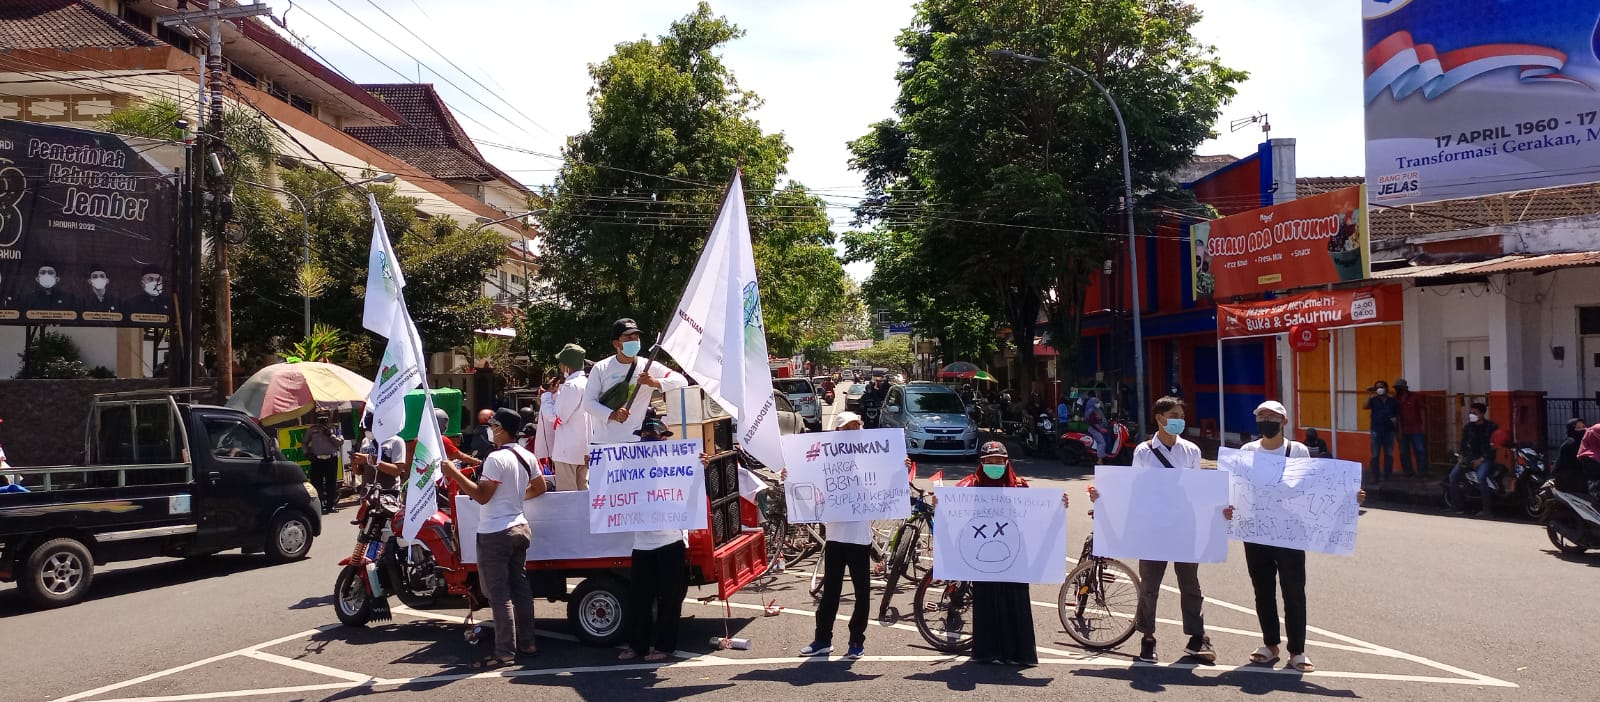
<point x="1127" y="198"/>
<point x="527" y="284"/>
<point x="305" y="225"/>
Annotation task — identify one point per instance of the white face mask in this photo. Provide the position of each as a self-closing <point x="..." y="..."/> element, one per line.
<point x="99" y="284"/>
<point x="1383" y="391"/>
<point x="152" y="288"/>
<point x="1473" y="417"/>
<point x="47" y="281"/>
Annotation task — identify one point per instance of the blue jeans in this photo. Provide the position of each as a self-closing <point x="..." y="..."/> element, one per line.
<point x="1483" y="480"/>
<point x="1383" y="444"/>
<point x="1414" y="453"/>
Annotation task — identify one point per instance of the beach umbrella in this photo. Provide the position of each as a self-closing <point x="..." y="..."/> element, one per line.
<point x="283" y="391"/>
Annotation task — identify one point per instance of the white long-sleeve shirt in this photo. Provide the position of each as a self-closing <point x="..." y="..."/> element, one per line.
<point x="572" y="424"/>
<point x="545" y="437"/>
<point x="609" y="371"/>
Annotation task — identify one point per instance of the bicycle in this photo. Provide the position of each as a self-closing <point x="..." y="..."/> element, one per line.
<point x="905" y="548"/>
<point x="1098" y="600"/>
<point x="787" y="543"/>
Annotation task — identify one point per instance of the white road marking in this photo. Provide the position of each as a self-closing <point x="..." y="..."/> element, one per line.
<point x="307" y="666"/>
<point x="188" y="666"/>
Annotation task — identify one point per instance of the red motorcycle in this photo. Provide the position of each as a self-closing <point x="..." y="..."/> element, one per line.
<point x="1077" y="447"/>
<point x="382" y="564"/>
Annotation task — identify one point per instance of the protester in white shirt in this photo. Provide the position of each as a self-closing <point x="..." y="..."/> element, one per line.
<point x="608" y="426"/>
<point x="849" y="547"/>
<point x="1269" y="564"/>
<point x="569" y="423"/>
<point x="658" y="580"/>
<point x="508" y="476"/>
<point x="1168" y="449"/>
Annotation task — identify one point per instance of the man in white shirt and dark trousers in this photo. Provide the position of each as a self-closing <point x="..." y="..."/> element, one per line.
<point x="568" y="423"/>
<point x="1168" y="449"/>
<point x="849" y="546"/>
<point x="509" y="475"/>
<point x="617" y="426"/>
<point x="1287" y="565"/>
<point x="658" y="579"/>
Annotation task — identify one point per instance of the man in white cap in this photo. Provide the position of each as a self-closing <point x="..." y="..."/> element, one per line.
<point x="1270" y="564"/>
<point x="849" y="547"/>
<point x="846" y="420"/>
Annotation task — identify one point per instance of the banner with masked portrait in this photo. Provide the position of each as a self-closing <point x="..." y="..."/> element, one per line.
<point x="88" y="226"/>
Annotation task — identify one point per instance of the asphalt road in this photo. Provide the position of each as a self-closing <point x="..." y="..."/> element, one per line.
<point x="1429" y="608"/>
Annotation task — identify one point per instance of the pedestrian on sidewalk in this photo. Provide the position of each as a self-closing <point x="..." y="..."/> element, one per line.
<point x="1477" y="453"/>
<point x="849" y="547"/>
<point x="1413" y="440"/>
<point x="1285" y="565"/>
<point x="507" y="478"/>
<point x="1384" y="415"/>
<point x="1168" y="449"/>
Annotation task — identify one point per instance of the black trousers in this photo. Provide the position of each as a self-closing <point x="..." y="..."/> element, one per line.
<point x="1288" y="567"/>
<point x="835" y="558"/>
<point x="659" y="583"/>
<point x="325" y="478"/>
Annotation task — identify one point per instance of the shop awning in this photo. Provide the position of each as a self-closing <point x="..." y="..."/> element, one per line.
<point x="1520" y="263"/>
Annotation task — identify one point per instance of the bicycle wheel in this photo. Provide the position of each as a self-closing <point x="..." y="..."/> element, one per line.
<point x="799" y="544"/>
<point x="1098" y="601"/>
<point x="905" y="549"/>
<point x="944" y="614"/>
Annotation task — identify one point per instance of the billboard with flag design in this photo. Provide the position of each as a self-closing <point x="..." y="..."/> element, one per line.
<point x="1466" y="98"/>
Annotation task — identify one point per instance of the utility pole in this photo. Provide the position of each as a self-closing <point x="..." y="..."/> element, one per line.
<point x="221" y="189"/>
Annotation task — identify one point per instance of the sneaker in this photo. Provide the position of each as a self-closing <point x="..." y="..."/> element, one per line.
<point x="1199" y="648"/>
<point x="816" y="648"/>
<point x="856" y="651"/>
<point x="1147" y="650"/>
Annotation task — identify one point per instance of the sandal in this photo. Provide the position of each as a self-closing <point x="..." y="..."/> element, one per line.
<point x="1301" y="663"/>
<point x="491" y="662"/>
<point x="529" y="651"/>
<point x="657" y="657"/>
<point x="627" y="655"/>
<point x="1264" y="656"/>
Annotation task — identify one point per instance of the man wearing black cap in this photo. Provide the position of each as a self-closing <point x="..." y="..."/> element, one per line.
<point x="508" y="477"/>
<point x="625" y="368"/>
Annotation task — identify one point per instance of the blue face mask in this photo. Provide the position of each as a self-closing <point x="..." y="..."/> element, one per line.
<point x="1174" y="426"/>
<point x="630" y="348"/>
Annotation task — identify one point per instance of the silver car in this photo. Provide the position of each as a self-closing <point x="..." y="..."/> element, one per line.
<point x="934" y="419"/>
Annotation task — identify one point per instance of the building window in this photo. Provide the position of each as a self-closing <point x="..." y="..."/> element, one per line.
<point x="239" y="72"/>
<point x="137" y="20"/>
<point x="300" y="103"/>
<point x="1588" y="320"/>
<point x="170" y="36"/>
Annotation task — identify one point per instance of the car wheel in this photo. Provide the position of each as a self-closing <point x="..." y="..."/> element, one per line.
<point x="58" y="573"/>
<point x="289" y="538"/>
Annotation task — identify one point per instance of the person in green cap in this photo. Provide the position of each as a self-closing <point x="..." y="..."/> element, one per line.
<point x="569" y="447"/>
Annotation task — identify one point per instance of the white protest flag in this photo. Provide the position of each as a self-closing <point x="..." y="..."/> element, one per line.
<point x="399" y="372"/>
<point x="422" y="492"/>
<point x="718" y="333"/>
<point x="384" y="280"/>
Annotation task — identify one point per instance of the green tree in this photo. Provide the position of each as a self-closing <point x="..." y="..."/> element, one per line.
<point x="630" y="210"/>
<point x="893" y="353"/>
<point x="1001" y="179"/>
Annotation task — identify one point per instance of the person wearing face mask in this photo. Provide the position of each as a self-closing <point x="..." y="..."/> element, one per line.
<point x="618" y="426"/>
<point x="48" y="296"/>
<point x="151" y="303"/>
<point x="1568" y="472"/>
<point x="1002" y="615"/>
<point x="1384" y="416"/>
<point x="1268" y="564"/>
<point x="1168" y="449"/>
<point x="98" y="305"/>
<point x="1477" y="453"/>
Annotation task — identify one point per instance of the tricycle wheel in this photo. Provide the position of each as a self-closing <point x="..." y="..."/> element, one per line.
<point x="351" y="601"/>
<point x="598" y="610"/>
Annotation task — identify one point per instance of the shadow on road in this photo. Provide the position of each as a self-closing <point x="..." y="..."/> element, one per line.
<point x="1159" y="679"/>
<point x="313" y="602"/>
<point x="967" y="676"/>
<point x="621" y="686"/>
<point x="1589" y="559"/>
<point x="153" y="576"/>
<point x="809" y="672"/>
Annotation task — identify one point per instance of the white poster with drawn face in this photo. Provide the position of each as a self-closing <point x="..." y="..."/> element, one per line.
<point x="1000" y="535"/>
<point x="1301" y="503"/>
<point x="1161" y="514"/>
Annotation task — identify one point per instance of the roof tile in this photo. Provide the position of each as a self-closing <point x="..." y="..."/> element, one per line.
<point x="65" y="24"/>
<point x="430" y="138"/>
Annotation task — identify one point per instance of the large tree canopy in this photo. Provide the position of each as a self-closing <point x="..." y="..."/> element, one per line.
<point x="638" y="192"/>
<point x="999" y="181"/>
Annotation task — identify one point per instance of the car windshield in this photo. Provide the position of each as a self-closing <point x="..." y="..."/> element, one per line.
<point x="793" y="386"/>
<point x="931" y="402"/>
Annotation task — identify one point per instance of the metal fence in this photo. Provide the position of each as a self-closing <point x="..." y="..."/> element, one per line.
<point x="1557" y="410"/>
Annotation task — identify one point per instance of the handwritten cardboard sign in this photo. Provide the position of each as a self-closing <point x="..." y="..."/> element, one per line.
<point x="847" y="476"/>
<point x="646" y="486"/>
<point x="1302" y="503"/>
<point x="1000" y="535"/>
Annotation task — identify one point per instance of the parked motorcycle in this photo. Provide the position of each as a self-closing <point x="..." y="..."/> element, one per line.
<point x="1040" y="437"/>
<point x="1077" y="447"/>
<point x="1570" y="520"/>
<point x="1518" y="484"/>
<point x="382" y="564"/>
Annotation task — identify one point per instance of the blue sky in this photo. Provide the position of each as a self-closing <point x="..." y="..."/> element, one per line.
<point x="824" y="67"/>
